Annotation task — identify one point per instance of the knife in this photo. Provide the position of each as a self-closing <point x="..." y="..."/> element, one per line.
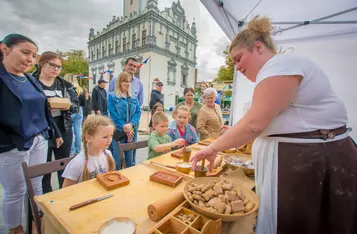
<point x="91" y="201"/>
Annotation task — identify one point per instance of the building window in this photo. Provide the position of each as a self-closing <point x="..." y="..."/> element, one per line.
<point x="184" y="79"/>
<point x="124" y="44"/>
<point x="116" y="46"/>
<point x="143" y="37"/>
<point x="98" y="53"/>
<point x="131" y="2"/>
<point x="103" y="52"/>
<point x="133" y="40"/>
<point x="92" y="55"/>
<point x="110" y="49"/>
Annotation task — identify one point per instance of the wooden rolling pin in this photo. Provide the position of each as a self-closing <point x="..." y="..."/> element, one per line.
<point x="161" y="208"/>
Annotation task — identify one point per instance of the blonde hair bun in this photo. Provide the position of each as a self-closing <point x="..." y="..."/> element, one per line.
<point x="260" y="25"/>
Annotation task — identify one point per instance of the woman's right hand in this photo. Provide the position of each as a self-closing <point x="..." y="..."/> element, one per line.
<point x="59" y="142"/>
<point x="206" y="153"/>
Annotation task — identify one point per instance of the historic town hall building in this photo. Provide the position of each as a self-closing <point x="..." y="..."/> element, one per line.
<point x="142" y="32"/>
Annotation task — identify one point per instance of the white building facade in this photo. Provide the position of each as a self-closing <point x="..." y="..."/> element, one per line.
<point x="143" y="32"/>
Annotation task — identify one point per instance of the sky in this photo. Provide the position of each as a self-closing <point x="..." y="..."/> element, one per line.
<point x="65" y="25"/>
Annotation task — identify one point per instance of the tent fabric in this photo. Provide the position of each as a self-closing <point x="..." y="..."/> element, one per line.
<point x="332" y="46"/>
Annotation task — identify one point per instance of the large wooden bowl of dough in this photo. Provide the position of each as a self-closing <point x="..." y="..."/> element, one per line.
<point x="220" y="198"/>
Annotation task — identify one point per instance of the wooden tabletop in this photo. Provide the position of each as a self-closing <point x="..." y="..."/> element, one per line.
<point x="129" y="201"/>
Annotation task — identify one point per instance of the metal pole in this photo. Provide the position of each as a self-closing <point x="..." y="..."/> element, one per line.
<point x="315" y="20"/>
<point x="149" y="94"/>
<point x="324" y="22"/>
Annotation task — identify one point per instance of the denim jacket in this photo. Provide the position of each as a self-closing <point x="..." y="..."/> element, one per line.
<point x="190" y="134"/>
<point x="117" y="108"/>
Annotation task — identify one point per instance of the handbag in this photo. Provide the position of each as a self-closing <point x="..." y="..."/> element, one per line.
<point x="121" y="135"/>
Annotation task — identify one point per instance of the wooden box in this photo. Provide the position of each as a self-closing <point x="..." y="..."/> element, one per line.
<point x="112" y="180"/>
<point x="166" y="178"/>
<point x="59" y="103"/>
<point x="196" y="225"/>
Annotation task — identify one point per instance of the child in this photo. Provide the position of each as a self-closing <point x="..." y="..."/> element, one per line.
<point x="159" y="142"/>
<point x="97" y="133"/>
<point x="180" y="128"/>
<point x="156" y="108"/>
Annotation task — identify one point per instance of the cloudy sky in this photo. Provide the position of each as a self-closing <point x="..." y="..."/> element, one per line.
<point x="65" y="25"/>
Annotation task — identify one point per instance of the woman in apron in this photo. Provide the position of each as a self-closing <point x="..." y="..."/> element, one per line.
<point x="305" y="162"/>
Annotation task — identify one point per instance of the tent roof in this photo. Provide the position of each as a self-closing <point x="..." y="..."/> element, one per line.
<point x="228" y="13"/>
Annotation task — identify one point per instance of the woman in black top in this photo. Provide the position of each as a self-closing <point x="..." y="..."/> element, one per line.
<point x="25" y="122"/>
<point x="50" y="65"/>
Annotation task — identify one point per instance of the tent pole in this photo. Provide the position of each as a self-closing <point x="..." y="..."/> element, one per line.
<point x="315" y="20"/>
<point x="324" y="22"/>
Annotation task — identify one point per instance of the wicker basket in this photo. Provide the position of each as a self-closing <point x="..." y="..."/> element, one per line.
<point x="228" y="159"/>
<point x="249" y="194"/>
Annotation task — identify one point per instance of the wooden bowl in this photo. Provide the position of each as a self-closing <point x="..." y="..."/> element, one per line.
<point x="228" y="160"/>
<point x="117" y="220"/>
<point x="249" y="194"/>
<point x="183" y="169"/>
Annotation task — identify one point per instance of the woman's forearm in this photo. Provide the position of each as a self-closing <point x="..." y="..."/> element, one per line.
<point x="244" y="131"/>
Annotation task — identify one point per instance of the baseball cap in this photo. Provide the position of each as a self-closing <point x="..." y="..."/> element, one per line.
<point x="159" y="83"/>
<point x="102" y="81"/>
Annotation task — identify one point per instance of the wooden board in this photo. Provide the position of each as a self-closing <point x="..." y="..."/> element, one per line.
<point x="166" y="178"/>
<point x="112" y="180"/>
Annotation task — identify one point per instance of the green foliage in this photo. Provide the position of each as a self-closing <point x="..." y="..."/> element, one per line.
<point x="226" y="72"/>
<point x="74" y="61"/>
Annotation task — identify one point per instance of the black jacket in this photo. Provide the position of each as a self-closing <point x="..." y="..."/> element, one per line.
<point x="10" y="114"/>
<point x="68" y="91"/>
<point x="99" y="99"/>
<point x="156" y="96"/>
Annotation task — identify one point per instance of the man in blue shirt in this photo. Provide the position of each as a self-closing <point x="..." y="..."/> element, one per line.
<point x="137" y="90"/>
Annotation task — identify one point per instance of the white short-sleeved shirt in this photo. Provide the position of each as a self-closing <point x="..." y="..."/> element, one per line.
<point x="96" y="165"/>
<point x="315" y="105"/>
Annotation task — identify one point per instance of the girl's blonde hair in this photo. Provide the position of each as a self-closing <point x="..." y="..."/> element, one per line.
<point x="182" y="108"/>
<point x="90" y="127"/>
<point x="124" y="76"/>
<point x="71" y="78"/>
<point x="259" y="29"/>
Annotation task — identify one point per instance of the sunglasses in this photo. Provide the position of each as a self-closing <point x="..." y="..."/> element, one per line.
<point x="55" y="66"/>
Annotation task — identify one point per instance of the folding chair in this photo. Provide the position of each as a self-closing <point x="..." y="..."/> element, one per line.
<point x="129" y="146"/>
<point x="34" y="171"/>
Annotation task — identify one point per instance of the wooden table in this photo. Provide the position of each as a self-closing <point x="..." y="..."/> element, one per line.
<point x="130" y="201"/>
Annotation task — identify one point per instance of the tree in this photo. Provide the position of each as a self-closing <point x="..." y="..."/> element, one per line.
<point x="226" y="72"/>
<point x="74" y="61"/>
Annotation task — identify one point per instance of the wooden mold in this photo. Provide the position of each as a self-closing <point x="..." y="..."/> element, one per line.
<point x="196" y="224"/>
<point x="166" y="178"/>
<point x="177" y="154"/>
<point x="112" y="180"/>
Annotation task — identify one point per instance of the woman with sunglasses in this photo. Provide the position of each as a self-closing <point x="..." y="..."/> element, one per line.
<point x="49" y="67"/>
<point x="25" y="121"/>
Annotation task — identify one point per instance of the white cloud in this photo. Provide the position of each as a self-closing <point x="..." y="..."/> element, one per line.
<point x="65" y="25"/>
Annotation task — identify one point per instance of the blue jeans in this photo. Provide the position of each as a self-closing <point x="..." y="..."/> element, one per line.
<point x="129" y="155"/>
<point x="77" y="120"/>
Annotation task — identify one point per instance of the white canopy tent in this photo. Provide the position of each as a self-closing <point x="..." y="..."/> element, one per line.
<point x="323" y="30"/>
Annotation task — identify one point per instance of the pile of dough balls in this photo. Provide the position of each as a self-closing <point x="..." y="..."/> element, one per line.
<point x="220" y="196"/>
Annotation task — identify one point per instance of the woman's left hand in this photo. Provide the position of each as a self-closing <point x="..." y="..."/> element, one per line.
<point x="130" y="134"/>
<point x="207" y="153"/>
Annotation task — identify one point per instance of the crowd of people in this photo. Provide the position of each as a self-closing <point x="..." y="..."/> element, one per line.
<point x="34" y="132"/>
